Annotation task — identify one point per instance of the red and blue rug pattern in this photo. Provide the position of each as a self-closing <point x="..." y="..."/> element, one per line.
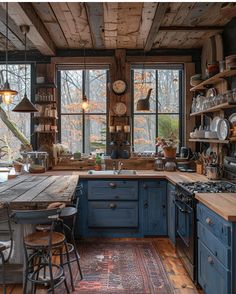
<point x="125" y="267"/>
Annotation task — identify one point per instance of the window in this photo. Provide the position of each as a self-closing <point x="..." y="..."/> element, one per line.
<point x="164" y="116"/>
<point x="83" y="131"/>
<point x="16" y="77"/>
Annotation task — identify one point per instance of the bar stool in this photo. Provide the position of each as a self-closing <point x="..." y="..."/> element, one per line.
<point x="38" y="249"/>
<point x="68" y="215"/>
<point x="6" y="245"/>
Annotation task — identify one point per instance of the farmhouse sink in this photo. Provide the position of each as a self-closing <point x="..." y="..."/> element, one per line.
<point x="113" y="172"/>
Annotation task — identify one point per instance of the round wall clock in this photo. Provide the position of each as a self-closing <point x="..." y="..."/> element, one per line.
<point x="120" y="108"/>
<point x="119" y="87"/>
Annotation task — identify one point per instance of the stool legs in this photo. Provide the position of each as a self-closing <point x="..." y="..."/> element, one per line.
<point x="69" y="266"/>
<point x="62" y="265"/>
<point x="3" y="273"/>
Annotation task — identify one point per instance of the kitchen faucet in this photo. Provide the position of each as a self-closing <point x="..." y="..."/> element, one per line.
<point x="120" y="165"/>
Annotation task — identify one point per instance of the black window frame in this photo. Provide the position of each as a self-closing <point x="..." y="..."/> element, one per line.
<point x="83" y="113"/>
<point x="156" y="67"/>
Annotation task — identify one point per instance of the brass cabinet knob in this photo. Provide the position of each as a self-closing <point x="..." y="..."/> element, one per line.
<point x="112" y="185"/>
<point x="112" y="206"/>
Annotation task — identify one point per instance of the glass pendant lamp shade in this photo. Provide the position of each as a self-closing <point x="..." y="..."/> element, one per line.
<point x="85" y="104"/>
<point x="6" y="92"/>
<point x="25" y="105"/>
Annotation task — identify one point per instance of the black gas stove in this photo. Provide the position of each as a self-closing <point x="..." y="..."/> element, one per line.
<point x="186" y="219"/>
<point x="190" y="188"/>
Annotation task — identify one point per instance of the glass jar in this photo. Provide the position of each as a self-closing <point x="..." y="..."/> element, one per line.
<point x="36" y="161"/>
<point x="158" y="164"/>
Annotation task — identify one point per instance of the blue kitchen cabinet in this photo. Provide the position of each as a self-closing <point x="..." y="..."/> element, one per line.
<point x="154" y="207"/>
<point x="171" y="211"/>
<point x="216" y="252"/>
<point x="109" y="208"/>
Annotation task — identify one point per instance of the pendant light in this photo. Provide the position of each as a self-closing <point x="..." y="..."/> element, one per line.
<point x="85" y="104"/>
<point x="6" y="92"/>
<point x="25" y="104"/>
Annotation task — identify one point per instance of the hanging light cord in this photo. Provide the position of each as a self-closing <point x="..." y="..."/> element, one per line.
<point x="25" y="64"/>
<point x="6" y="49"/>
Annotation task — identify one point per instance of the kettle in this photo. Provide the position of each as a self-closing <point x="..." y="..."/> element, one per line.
<point x="186" y="152"/>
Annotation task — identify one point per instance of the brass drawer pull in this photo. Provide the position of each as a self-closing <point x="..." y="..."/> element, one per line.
<point x="210" y="260"/>
<point x="112" y="206"/>
<point x="112" y="185"/>
<point x="209" y="221"/>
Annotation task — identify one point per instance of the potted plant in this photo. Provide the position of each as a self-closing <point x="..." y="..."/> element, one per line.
<point x="18" y="164"/>
<point x="98" y="162"/>
<point x="168" y="145"/>
<point x="77" y="155"/>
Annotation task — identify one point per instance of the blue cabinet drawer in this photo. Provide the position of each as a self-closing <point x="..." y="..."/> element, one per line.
<point x="217" y="225"/>
<point x="113" y="190"/>
<point x="113" y="214"/>
<point x="218" y="249"/>
<point x="212" y="275"/>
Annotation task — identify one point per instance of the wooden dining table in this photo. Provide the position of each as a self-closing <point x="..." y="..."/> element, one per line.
<point x="30" y="191"/>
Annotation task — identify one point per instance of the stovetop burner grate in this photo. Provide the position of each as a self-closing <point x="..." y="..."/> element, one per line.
<point x="208" y="187"/>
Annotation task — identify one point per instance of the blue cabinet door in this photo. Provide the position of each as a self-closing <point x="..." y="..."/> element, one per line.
<point x="153" y="195"/>
<point x="171" y="211"/>
<point x="212" y="275"/>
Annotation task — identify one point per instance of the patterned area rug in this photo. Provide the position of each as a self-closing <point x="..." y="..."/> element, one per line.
<point x="130" y="267"/>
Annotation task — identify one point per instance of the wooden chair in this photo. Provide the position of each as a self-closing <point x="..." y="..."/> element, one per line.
<point x="6" y="241"/>
<point x="38" y="249"/>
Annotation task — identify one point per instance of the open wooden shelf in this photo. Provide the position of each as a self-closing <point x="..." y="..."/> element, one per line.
<point x="215" y="108"/>
<point x="45" y="102"/>
<point x="44" y="117"/>
<point x="216" y="141"/>
<point x="215" y="79"/>
<point x="45" y="85"/>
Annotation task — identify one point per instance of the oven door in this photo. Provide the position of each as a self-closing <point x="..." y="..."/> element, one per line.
<point x="185" y="235"/>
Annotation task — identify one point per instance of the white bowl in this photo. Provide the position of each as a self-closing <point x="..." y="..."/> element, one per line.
<point x="199" y="134"/>
<point x="211" y="135"/>
<point x="192" y="135"/>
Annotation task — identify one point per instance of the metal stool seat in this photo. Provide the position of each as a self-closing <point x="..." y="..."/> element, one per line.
<point x="40" y="239"/>
<point x="38" y="248"/>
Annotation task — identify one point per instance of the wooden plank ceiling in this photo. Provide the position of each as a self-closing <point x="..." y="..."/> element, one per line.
<point x="111" y="25"/>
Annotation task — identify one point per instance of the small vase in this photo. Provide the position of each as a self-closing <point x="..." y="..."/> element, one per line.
<point x="97" y="167"/>
<point x="169" y="152"/>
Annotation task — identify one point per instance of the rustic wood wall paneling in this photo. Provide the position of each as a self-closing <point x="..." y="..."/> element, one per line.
<point x="189" y="122"/>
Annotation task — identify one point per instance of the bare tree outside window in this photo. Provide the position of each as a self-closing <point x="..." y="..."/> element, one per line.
<point x="16" y="79"/>
<point x="84" y="131"/>
<point x="164" y="115"/>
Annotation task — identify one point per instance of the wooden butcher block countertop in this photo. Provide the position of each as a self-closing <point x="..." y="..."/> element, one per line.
<point x="37" y="191"/>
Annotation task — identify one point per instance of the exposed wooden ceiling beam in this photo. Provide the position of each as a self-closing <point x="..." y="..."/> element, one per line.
<point x="47" y="15"/>
<point x="24" y="13"/>
<point x="191" y="29"/>
<point x="14" y="33"/>
<point x="157" y="20"/>
<point x="95" y="14"/>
